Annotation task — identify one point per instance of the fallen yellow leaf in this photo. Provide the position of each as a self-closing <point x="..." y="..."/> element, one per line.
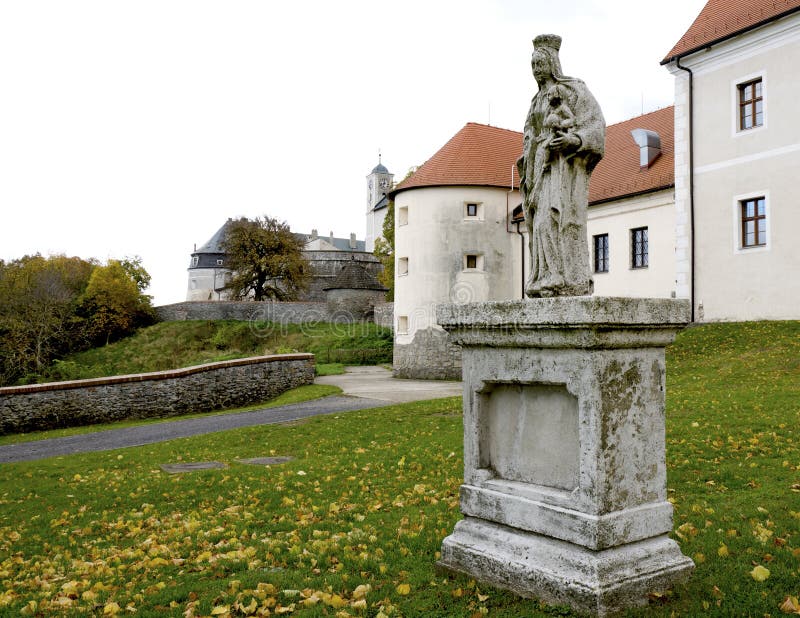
<point x="790" y="606"/>
<point x="759" y="573"/>
<point x="403" y="589"/>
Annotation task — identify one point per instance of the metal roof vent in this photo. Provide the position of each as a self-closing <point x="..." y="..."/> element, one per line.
<point x="649" y="144"/>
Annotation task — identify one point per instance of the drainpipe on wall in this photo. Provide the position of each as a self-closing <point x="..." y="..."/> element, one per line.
<point x="691" y="178"/>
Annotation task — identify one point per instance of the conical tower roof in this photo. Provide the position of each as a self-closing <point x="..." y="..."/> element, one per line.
<point x="354" y="276"/>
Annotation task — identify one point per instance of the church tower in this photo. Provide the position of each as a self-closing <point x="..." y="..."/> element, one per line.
<point x="379" y="183"/>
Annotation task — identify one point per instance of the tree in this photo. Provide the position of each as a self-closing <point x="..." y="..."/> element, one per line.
<point x="133" y="267"/>
<point x="266" y="260"/>
<point x="113" y="304"/>
<point x="57" y="305"/>
<point x="384" y="251"/>
<point x="38" y="318"/>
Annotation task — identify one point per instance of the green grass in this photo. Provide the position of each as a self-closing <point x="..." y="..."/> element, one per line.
<point x="357" y="518"/>
<point x="295" y="395"/>
<point x="329" y="369"/>
<point x="170" y="345"/>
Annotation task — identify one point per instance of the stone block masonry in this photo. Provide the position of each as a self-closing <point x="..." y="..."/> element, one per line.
<point x="430" y="356"/>
<point x="214" y="386"/>
<point x="276" y="312"/>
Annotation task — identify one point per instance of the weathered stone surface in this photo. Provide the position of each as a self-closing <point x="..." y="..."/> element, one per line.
<point x="264" y="461"/>
<point x="430" y="356"/>
<point x="202" y="388"/>
<point x="533" y="565"/>
<point x="564" y="448"/>
<point x="279" y="312"/>
<point x="564" y="139"/>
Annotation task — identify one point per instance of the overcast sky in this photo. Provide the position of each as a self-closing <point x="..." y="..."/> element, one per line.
<point x="139" y="127"/>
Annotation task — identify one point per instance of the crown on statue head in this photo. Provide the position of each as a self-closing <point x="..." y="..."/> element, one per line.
<point x="553" y="41"/>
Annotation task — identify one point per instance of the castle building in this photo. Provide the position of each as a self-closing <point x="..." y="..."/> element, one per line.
<point x="379" y="183"/>
<point x="459" y="234"/>
<point x="327" y="256"/>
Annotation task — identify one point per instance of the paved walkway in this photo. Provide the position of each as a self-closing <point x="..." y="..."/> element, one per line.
<point x="378" y="383"/>
<point x="364" y="387"/>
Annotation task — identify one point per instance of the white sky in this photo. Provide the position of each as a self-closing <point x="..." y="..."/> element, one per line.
<point x="139" y="127"/>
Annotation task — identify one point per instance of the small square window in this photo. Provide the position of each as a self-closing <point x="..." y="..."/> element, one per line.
<point x="472" y="210"/>
<point x="402" y="215"/>
<point x="754" y="222"/>
<point x="601" y="253"/>
<point x="751" y="104"/>
<point x="639" y="248"/>
<point x="472" y="261"/>
<point x="402" y="266"/>
<point x="402" y="324"/>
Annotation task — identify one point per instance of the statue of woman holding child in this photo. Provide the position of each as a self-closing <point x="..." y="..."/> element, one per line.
<point x="564" y="140"/>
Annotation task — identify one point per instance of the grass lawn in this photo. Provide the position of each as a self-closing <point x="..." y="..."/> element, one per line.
<point x="353" y="524"/>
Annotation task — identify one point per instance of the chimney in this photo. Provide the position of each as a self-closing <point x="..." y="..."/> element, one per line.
<point x="331" y="237"/>
<point x="314" y="234"/>
<point x="352" y="241"/>
<point x="649" y="144"/>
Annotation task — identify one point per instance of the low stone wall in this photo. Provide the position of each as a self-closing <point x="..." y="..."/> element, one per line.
<point x="429" y="356"/>
<point x="214" y="386"/>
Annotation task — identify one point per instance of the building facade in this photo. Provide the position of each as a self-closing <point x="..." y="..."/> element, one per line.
<point x="460" y="237"/>
<point x="737" y="140"/>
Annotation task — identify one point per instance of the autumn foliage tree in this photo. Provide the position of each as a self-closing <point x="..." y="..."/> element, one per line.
<point x="266" y="260"/>
<point x="384" y="251"/>
<point x="113" y="304"/>
<point x="48" y="309"/>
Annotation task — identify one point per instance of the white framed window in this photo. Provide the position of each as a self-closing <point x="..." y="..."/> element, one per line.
<point x="473" y="211"/>
<point x="402" y="325"/>
<point x="751" y="222"/>
<point x="402" y="215"/>
<point x="195" y="259"/>
<point x="402" y="266"/>
<point x="749" y="103"/>
<point x="640" y="248"/>
<point x="472" y="262"/>
<point x="219" y="262"/>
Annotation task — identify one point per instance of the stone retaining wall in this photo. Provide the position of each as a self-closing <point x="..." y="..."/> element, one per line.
<point x="269" y="311"/>
<point x="282" y="313"/>
<point x="214" y="386"/>
<point x="429" y="356"/>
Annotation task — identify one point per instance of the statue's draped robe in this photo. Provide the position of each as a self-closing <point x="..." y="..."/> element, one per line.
<point x="555" y="192"/>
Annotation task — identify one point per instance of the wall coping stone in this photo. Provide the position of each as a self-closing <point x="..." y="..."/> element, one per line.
<point x="151" y="376"/>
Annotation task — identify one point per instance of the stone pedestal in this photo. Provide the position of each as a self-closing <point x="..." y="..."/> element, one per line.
<point x="564" y="491"/>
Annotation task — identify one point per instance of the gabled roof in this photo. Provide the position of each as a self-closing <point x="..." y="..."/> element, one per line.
<point x="722" y="19"/>
<point x="618" y="174"/>
<point x="484" y="156"/>
<point x="477" y="155"/>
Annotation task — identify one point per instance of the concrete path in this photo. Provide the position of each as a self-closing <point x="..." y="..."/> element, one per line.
<point x="378" y="383"/>
<point x="364" y="387"/>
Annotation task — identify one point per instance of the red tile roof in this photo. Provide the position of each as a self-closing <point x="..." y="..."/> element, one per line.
<point x="480" y="155"/>
<point x="477" y="155"/>
<point x="721" y="19"/>
<point x="618" y="174"/>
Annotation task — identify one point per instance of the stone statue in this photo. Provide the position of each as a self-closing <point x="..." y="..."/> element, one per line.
<point x="564" y="140"/>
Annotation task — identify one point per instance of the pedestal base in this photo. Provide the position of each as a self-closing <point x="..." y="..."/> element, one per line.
<point x="532" y="565"/>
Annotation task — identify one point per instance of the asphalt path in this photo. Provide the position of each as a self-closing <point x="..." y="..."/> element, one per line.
<point x="110" y="439"/>
<point x="363" y="388"/>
